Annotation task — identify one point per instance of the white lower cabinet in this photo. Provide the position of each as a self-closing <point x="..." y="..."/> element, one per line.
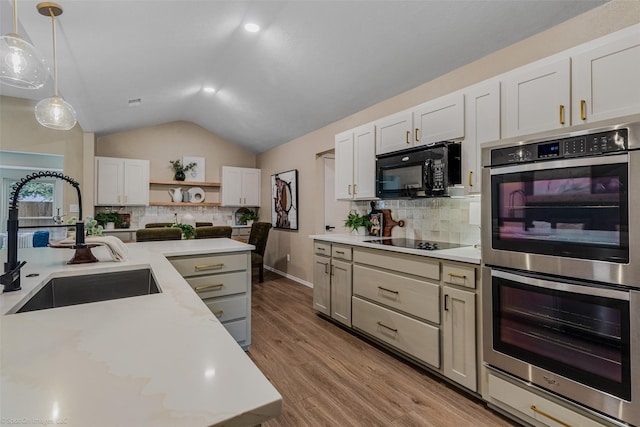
<point x="421" y="307"/>
<point x="411" y="336"/>
<point x="533" y="407"/>
<point x="332" y="272"/>
<point x="223" y="282"/>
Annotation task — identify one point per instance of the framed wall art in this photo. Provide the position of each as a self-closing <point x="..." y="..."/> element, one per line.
<point x="196" y="174"/>
<point x="284" y="200"/>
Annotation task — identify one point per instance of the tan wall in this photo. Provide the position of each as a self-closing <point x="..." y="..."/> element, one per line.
<point x="19" y="131"/>
<point x="302" y="152"/>
<point x="171" y="141"/>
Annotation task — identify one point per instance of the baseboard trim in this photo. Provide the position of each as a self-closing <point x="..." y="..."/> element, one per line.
<point x="289" y="276"/>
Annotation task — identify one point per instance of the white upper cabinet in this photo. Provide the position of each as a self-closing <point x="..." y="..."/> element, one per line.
<point x="606" y="80"/>
<point x="240" y="186"/>
<point x="537" y="98"/>
<point x="394" y="132"/>
<point x="121" y="182"/>
<point x="441" y="119"/>
<point x="356" y="163"/>
<point x="482" y="124"/>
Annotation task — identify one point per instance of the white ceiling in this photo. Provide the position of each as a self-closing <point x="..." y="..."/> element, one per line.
<point x="313" y="63"/>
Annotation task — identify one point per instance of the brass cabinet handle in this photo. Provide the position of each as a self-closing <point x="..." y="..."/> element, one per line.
<point x="355" y="189"/>
<point x="458" y="276"/>
<point x="205" y="287"/>
<point x="583" y="109"/>
<point x="407" y="137"/>
<point x="470" y="176"/>
<point x="551" y="417"/>
<point x="561" y="114"/>
<point x="387" y="327"/>
<point x="218" y="313"/>
<point x="326" y="268"/>
<point x="388" y="290"/>
<point x="416" y="135"/>
<point x="209" y="267"/>
<point x="349" y="189"/>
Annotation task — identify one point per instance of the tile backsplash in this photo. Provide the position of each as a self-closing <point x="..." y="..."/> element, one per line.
<point x="141" y="215"/>
<point x="440" y="219"/>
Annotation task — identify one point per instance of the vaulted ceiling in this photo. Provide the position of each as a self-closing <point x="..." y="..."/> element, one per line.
<point x="312" y="63"/>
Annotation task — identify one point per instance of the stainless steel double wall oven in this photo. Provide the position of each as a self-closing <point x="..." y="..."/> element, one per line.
<point x="561" y="286"/>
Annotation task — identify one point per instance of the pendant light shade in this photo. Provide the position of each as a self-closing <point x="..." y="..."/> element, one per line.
<point x="21" y="65"/>
<point x="54" y="112"/>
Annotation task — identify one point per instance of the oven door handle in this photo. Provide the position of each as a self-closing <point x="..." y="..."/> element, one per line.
<point x="562" y="286"/>
<point x="561" y="164"/>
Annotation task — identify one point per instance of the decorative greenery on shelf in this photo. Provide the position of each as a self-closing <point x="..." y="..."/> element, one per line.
<point x="179" y="169"/>
<point x="106" y="217"/>
<point x="91" y="226"/>
<point x="188" y="232"/>
<point x="355" y="221"/>
<point x="249" y="215"/>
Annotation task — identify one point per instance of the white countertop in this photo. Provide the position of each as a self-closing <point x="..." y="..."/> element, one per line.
<point x="467" y="254"/>
<point x="158" y="360"/>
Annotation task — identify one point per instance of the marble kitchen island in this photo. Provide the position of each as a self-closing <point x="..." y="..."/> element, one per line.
<point x="158" y="360"/>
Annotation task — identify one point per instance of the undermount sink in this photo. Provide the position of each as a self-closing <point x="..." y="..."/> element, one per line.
<point x="73" y="290"/>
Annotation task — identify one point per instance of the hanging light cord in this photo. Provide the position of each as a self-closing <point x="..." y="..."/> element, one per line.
<point x="55" y="56"/>
<point x="15" y="16"/>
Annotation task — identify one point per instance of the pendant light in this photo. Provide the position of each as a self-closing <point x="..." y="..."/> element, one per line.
<point x="54" y="112"/>
<point x="21" y="65"/>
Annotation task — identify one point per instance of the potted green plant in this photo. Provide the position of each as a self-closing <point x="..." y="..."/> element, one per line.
<point x="179" y="169"/>
<point x="188" y="232"/>
<point x="108" y="217"/>
<point x="249" y="216"/>
<point x="357" y="223"/>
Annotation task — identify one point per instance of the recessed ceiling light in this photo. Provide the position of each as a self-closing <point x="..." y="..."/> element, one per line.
<point x="251" y="27"/>
<point x="209" y="89"/>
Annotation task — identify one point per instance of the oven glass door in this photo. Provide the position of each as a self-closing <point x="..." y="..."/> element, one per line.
<point x="578" y="332"/>
<point x="570" y="208"/>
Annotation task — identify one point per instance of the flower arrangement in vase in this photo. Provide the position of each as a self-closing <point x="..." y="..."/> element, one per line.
<point x="179" y="169"/>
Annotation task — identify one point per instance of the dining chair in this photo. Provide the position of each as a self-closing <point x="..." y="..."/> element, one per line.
<point x="215" y="231"/>
<point x="203" y="224"/>
<point x="158" y="224"/>
<point x="155" y="234"/>
<point x="258" y="238"/>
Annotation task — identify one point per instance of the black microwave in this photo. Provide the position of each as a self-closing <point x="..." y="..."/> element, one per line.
<point x="425" y="171"/>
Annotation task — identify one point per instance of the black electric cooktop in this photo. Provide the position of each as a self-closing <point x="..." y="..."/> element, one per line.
<point x="415" y="244"/>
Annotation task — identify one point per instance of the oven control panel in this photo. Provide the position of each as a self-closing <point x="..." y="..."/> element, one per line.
<point x="576" y="146"/>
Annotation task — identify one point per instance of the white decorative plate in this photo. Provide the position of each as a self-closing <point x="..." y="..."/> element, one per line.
<point x="196" y="195"/>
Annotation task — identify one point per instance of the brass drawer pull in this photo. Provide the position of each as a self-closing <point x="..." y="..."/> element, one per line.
<point x="458" y="276"/>
<point x="583" y="109"/>
<point x="205" y="287"/>
<point x="320" y="249"/>
<point x="388" y="290"/>
<point x="551" y="417"/>
<point x="340" y="252"/>
<point x="218" y="313"/>
<point x="470" y="178"/>
<point x="387" y="327"/>
<point x="416" y="135"/>
<point x="408" y="134"/>
<point x="209" y="267"/>
<point x="561" y="114"/>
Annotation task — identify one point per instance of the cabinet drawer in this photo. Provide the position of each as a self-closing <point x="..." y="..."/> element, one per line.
<point x="411" y="336"/>
<point x="322" y="248"/>
<point x="228" y="308"/>
<point x="237" y="329"/>
<point x="341" y="252"/>
<point x="532" y="405"/>
<point x="409" y="264"/>
<point x="412" y="296"/>
<point x="218" y="285"/>
<point x="461" y="275"/>
<point x="197" y="265"/>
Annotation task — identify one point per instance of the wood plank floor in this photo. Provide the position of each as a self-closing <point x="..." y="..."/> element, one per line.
<point x="330" y="377"/>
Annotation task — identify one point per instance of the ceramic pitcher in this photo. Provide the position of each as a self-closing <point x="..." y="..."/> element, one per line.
<point x="176" y="194"/>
